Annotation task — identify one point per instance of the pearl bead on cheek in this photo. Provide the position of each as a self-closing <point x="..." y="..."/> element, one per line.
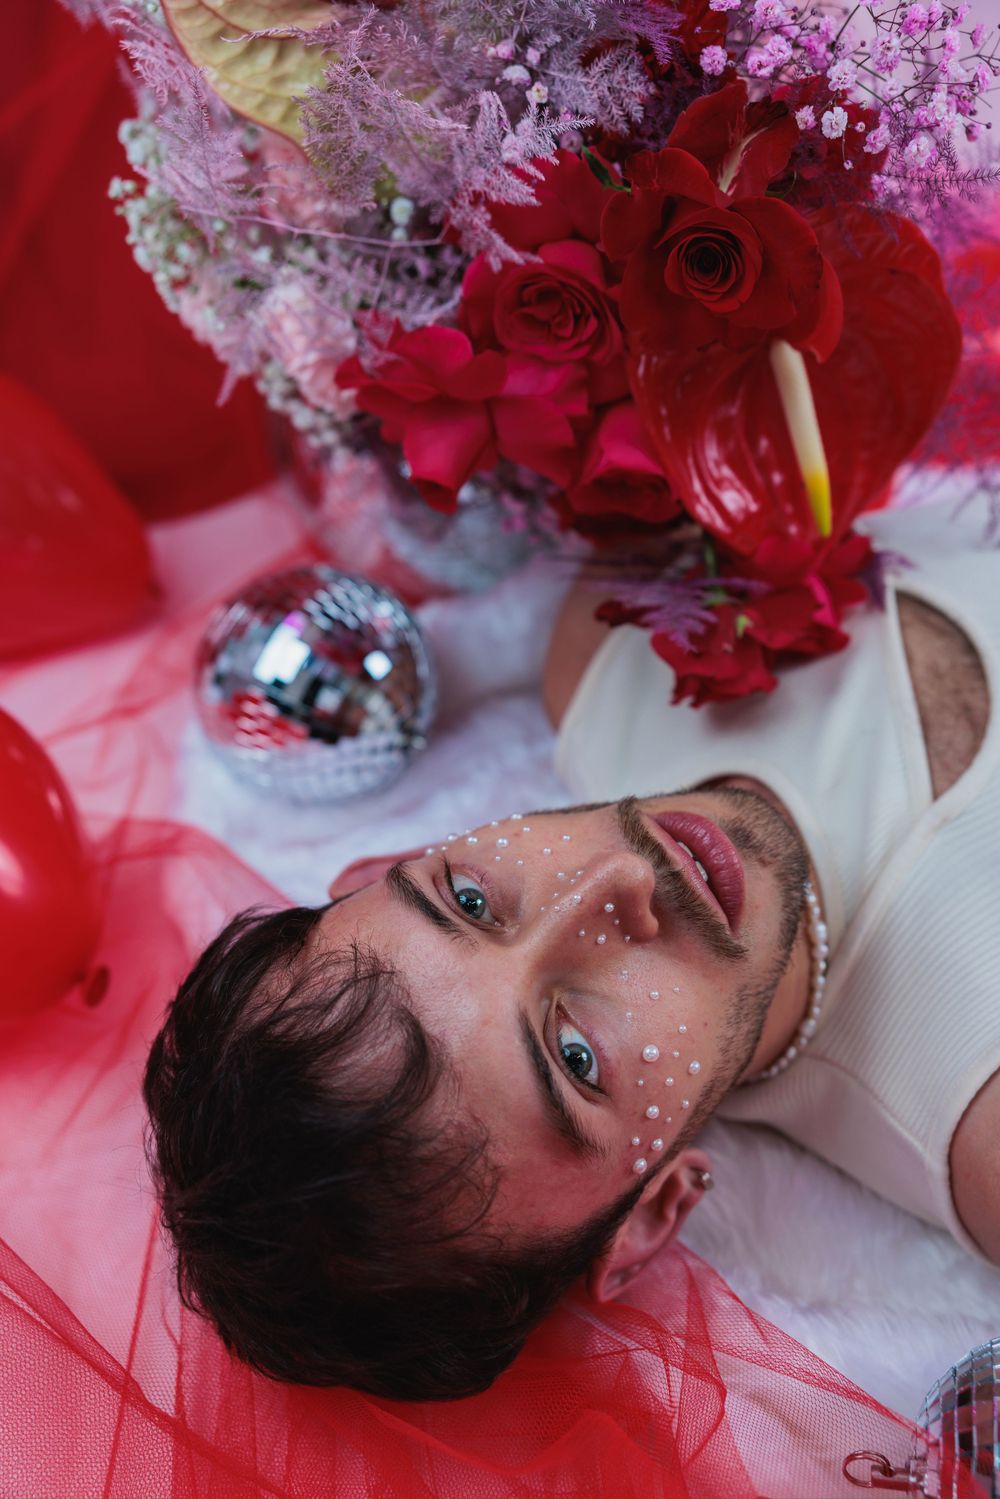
<point x="650" y="1053"/>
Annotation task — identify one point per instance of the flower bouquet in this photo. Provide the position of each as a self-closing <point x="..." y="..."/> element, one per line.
<point x="654" y="278"/>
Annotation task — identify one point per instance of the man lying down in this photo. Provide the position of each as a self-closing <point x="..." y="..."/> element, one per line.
<point x="389" y="1133"/>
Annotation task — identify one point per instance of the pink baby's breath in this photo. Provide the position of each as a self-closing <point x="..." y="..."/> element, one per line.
<point x="834" y="123"/>
<point x="768" y="12"/>
<point x="842" y="75"/>
<point x="805" y="117"/>
<point x="714" y="60"/>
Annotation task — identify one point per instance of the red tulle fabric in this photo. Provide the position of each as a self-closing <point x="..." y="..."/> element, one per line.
<point x="109" y="1387"/>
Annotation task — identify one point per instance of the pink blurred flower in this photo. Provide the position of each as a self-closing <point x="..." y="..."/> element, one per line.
<point x="309" y="339"/>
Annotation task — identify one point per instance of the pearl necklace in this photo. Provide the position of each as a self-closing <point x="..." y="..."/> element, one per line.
<point x="820" y="953"/>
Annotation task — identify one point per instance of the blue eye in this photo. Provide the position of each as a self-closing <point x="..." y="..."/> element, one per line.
<point x="470" y="897"/>
<point x="577" y="1054"/>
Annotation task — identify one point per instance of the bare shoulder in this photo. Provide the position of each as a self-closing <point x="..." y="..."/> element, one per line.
<point x="975" y="1168"/>
<point x="576" y="636"/>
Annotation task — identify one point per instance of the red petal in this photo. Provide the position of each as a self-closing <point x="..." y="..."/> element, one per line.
<point x="535" y="433"/>
<point x="446" y="442"/>
<point x="789" y="282"/>
<point x="674" y="174"/>
<point x="718" y="126"/>
<point x="570" y="203"/>
<point x="628" y="221"/>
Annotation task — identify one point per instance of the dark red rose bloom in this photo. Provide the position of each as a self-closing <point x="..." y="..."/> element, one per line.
<point x="621" y="474"/>
<point x="718" y="424"/>
<point x="455" y="412"/>
<point x="708" y="259"/>
<point x="555" y="308"/>
<point x="705" y="257"/>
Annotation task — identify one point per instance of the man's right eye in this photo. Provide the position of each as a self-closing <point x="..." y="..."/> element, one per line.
<point x="470" y="897"/>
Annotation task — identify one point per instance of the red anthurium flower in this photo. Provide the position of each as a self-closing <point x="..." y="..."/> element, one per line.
<point x="621" y="474"/>
<point x="706" y="257"/>
<point x="455" y="411"/>
<point x="717" y="423"/>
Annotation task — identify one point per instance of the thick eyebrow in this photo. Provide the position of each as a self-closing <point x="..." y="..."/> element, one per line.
<point x="558" y="1110"/>
<point x="404" y="888"/>
<point x="401" y="884"/>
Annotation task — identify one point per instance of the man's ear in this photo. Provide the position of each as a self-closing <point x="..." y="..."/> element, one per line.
<point x="656" y="1218"/>
<point x="367" y="871"/>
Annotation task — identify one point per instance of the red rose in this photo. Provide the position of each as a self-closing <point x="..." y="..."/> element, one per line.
<point x="455" y="411"/>
<point x="555" y="308"/>
<point x="710" y="260"/>
<point x="621" y="475"/>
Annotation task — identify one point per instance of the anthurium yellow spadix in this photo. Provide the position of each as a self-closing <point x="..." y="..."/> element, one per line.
<point x="261" y="77"/>
<point x="799" y="407"/>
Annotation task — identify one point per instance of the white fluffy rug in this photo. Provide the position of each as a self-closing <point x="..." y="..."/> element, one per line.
<point x="878" y="1294"/>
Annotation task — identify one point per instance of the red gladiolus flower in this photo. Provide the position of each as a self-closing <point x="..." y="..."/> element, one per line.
<point x="717" y="421"/>
<point x="455" y="412"/>
<point x="621" y="474"/>
<point x="706" y="257"/>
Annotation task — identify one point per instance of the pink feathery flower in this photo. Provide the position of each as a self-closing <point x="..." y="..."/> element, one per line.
<point x="978" y="35"/>
<point x="723" y="4"/>
<point x="805" y="117"/>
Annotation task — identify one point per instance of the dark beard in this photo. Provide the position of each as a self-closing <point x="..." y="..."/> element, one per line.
<point x="757" y="828"/>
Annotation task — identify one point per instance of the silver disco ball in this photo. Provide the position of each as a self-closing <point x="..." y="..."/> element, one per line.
<point x="958" y="1450"/>
<point x="314" y="685"/>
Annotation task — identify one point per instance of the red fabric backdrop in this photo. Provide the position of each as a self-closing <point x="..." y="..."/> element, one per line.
<point x="80" y="324"/>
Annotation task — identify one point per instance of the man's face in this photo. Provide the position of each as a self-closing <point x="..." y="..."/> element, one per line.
<point x="584" y="979"/>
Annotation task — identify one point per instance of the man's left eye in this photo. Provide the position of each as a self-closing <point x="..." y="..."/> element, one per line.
<point x="470" y="897"/>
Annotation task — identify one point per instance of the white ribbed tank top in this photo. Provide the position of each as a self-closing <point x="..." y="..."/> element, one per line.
<point x="910" y="1029"/>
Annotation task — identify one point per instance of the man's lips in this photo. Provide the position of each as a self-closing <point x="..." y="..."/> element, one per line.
<point x="693" y="837"/>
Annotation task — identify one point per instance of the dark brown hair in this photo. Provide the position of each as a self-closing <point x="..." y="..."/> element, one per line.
<point x="326" y="1220"/>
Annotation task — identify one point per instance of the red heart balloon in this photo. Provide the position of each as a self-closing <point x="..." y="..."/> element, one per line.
<point x="73" y="556"/>
<point x="715" y="417"/>
<point x="49" y="917"/>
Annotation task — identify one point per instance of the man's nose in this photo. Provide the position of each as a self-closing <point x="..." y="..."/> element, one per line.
<point x="616" y="892"/>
